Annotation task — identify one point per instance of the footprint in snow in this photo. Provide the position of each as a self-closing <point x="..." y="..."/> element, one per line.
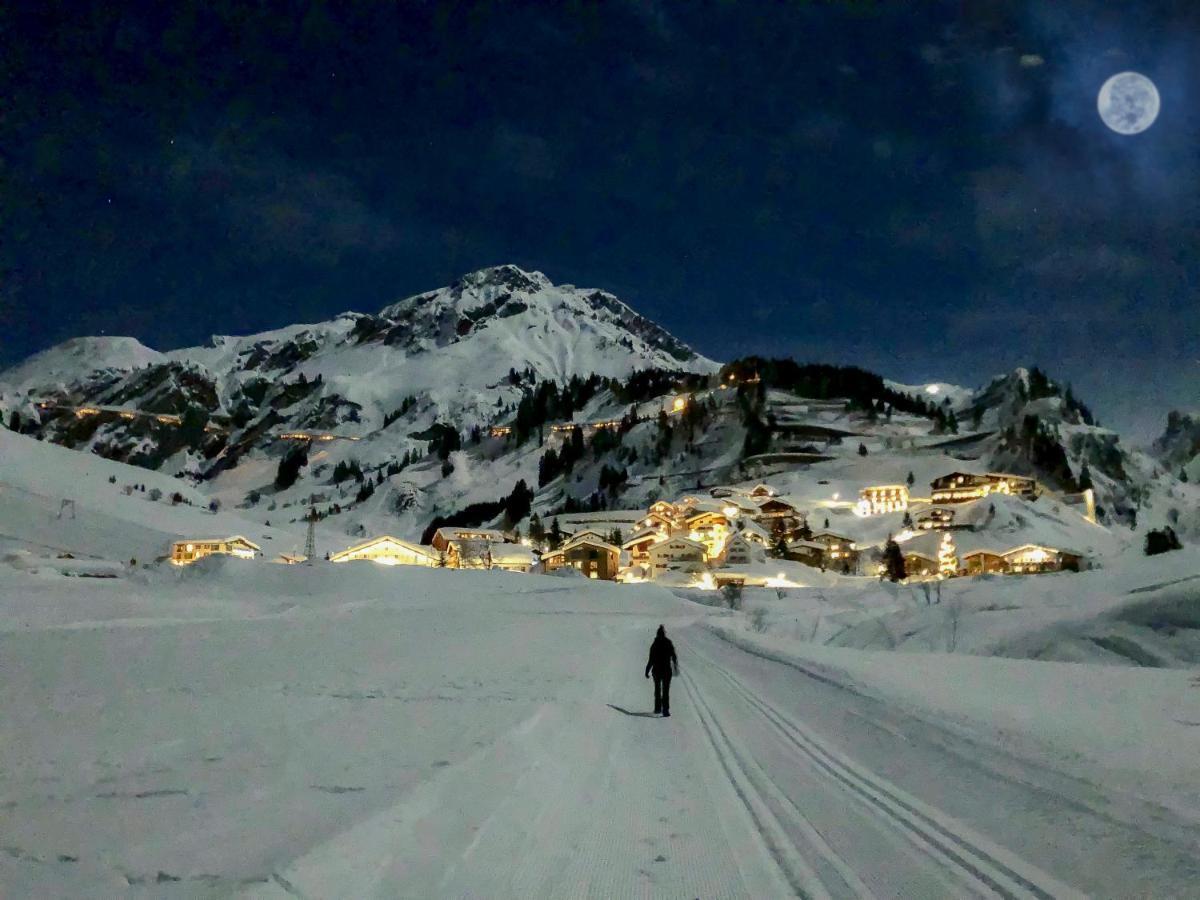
<point x="660" y="858"/>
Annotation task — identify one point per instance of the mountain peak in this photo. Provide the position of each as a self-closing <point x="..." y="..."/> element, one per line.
<point x="506" y="276"/>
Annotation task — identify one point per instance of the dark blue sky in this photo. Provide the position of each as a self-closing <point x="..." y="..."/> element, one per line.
<point x="921" y="188"/>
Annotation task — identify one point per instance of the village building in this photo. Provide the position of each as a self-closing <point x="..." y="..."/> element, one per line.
<point x="878" y="499"/>
<point x="712" y="529"/>
<point x="188" y="551"/>
<point x="982" y="562"/>
<point x="604" y="523"/>
<point x="638" y="546"/>
<point x="468" y="553"/>
<point x="754" y="532"/>
<point x="919" y="563"/>
<point x="593" y="557"/>
<point x="739" y="551"/>
<point x="975" y="553"/>
<point x="1034" y="559"/>
<point x="677" y="554"/>
<point x="777" y="516"/>
<point x="762" y="492"/>
<point x="512" y="557"/>
<point x="388" y="551"/>
<point x="594" y="534"/>
<point x="960" y="487"/>
<point x="810" y="553"/>
<point x="934" y="517"/>
<point x="661" y="514"/>
<point x="443" y="536"/>
<point x="841" y="553"/>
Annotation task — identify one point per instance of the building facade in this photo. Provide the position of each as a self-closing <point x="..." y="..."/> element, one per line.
<point x="960" y="487"/>
<point x="388" y="551"/>
<point x="677" y="554"/>
<point x="186" y="552"/>
<point x="593" y="557"/>
<point x="878" y="499"/>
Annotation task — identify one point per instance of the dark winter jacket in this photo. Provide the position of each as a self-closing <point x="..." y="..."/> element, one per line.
<point x="662" y="656"/>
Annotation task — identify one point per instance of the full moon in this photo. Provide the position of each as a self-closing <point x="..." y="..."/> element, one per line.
<point x="1128" y="103"/>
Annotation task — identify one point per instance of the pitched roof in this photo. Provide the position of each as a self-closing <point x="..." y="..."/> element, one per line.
<point x="415" y="549"/>
<point x="807" y="545"/>
<point x="751" y="527"/>
<point x="455" y="533"/>
<point x="638" y="536"/>
<point x="680" y="539"/>
<point x="825" y="532"/>
<point x="219" y="540"/>
<point x="590" y="539"/>
<point x="511" y="553"/>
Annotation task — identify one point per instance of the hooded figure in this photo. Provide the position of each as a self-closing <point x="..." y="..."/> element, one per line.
<point x="662" y="663"/>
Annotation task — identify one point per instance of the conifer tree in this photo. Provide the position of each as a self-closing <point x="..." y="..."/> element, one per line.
<point x="893" y="561"/>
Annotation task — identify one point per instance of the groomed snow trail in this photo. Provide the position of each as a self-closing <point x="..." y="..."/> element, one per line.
<point x="467" y="735"/>
<point x="735" y="796"/>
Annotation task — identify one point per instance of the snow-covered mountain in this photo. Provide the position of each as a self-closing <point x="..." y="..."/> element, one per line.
<point x="460" y="355"/>
<point x="1179" y="445"/>
<point x="453" y="347"/>
<point x="408" y="397"/>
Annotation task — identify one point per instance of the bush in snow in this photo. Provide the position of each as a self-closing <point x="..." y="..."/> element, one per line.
<point x="732" y="592"/>
<point x="155" y="494"/>
<point x="1161" y="540"/>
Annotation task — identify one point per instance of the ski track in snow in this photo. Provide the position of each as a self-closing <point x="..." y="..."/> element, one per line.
<point x="973" y="862"/>
<point x="487" y="748"/>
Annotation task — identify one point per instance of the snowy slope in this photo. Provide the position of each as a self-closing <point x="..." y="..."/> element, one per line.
<point x="78" y="358"/>
<point x="106" y="522"/>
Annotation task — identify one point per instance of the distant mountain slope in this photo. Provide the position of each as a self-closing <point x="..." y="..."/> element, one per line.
<point x="462" y="354"/>
<point x="1179" y="445"/>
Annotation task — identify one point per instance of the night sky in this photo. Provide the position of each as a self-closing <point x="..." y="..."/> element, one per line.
<point x="924" y="189"/>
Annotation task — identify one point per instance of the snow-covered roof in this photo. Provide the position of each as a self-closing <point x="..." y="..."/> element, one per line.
<point x="219" y="540"/>
<point x="806" y="545"/>
<point x="512" y="553"/>
<point x="589" y="532"/>
<point x="591" y="539"/>
<point x="450" y="533"/>
<point x="832" y="534"/>
<point x="751" y="527"/>
<point x="415" y="549"/>
<point x="679" y="539"/>
<point x="642" y="535"/>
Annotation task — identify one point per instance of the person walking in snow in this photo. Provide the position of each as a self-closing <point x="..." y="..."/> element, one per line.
<point x="662" y="663"/>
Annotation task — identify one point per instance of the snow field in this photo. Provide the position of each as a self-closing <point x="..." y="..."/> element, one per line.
<point x="330" y="731"/>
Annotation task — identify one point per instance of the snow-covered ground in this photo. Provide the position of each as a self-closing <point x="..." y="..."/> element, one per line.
<point x="244" y="728"/>
<point x="352" y="731"/>
<point x="102" y="519"/>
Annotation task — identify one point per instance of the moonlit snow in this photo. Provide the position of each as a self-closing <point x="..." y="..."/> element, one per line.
<point x="242" y="728"/>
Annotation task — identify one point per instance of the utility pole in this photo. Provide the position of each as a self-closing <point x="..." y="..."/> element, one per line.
<point x="310" y="542"/>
